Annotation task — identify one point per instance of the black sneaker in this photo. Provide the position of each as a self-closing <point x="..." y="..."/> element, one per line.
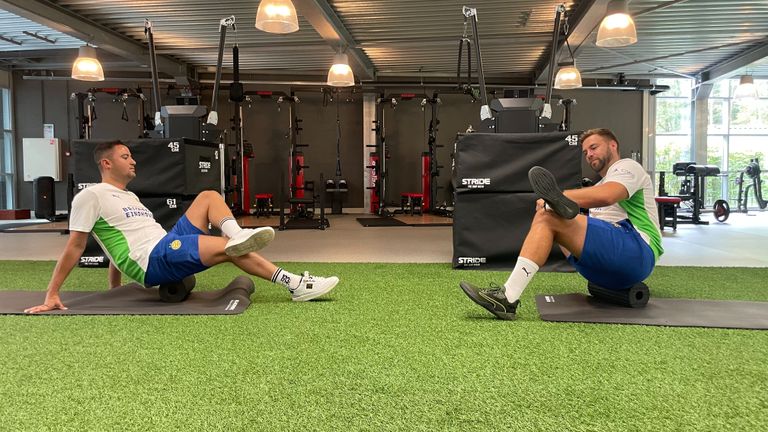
<point x="493" y="299"/>
<point x="545" y="186"/>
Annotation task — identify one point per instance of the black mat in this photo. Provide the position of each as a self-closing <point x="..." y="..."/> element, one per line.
<point x="135" y="299"/>
<point x="302" y="224"/>
<point x="380" y="222"/>
<point x="658" y="312"/>
<point x="11" y="225"/>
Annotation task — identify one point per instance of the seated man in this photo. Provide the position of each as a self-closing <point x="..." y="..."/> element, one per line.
<point x="141" y="249"/>
<point x="615" y="247"/>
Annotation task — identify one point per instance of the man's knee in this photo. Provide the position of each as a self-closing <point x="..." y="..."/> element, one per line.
<point x="209" y="195"/>
<point x="546" y="218"/>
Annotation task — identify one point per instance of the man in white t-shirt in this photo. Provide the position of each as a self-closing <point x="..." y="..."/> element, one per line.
<point x="140" y="248"/>
<point x="615" y="247"/>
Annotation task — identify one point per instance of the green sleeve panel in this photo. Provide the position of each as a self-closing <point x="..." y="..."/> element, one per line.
<point x="117" y="246"/>
<point x="638" y="215"/>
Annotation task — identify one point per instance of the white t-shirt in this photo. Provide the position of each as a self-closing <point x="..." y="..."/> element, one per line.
<point x="639" y="208"/>
<point x="125" y="229"/>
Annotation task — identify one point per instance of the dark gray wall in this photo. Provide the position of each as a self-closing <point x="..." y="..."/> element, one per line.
<point x="37" y="102"/>
<point x="265" y="126"/>
<point x="620" y="111"/>
<point x="406" y="128"/>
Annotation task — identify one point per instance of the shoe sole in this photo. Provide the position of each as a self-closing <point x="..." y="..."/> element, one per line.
<point x="315" y="294"/>
<point x="545" y="186"/>
<point x="260" y="239"/>
<point x="471" y="292"/>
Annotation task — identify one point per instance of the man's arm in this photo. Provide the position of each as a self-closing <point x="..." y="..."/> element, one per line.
<point x="67" y="261"/>
<point x="598" y="196"/>
<point x="115" y="277"/>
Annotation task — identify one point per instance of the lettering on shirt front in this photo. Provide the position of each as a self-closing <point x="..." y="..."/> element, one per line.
<point x="131" y="211"/>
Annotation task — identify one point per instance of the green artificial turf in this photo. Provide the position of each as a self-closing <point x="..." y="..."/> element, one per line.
<point x="397" y="347"/>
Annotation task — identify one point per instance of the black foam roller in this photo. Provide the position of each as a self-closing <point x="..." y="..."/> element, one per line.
<point x="635" y="297"/>
<point x="176" y="292"/>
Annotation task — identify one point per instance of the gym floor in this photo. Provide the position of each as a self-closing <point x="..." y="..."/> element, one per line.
<point x="739" y="242"/>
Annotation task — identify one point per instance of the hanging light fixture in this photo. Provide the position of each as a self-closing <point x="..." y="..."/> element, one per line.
<point x="568" y="76"/>
<point x="87" y="66"/>
<point x="340" y="74"/>
<point x="746" y="88"/>
<point x="617" y="28"/>
<point x="277" y="16"/>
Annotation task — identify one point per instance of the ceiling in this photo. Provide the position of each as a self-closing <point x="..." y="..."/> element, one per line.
<point x="389" y="40"/>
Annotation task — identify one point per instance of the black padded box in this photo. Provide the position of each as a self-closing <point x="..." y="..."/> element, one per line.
<point x="489" y="230"/>
<point x="487" y="162"/>
<point x="163" y="166"/>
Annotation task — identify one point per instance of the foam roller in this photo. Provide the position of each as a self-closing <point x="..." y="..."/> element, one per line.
<point x="635" y="296"/>
<point x="176" y="292"/>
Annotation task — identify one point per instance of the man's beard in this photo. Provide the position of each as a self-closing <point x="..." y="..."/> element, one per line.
<point x="600" y="164"/>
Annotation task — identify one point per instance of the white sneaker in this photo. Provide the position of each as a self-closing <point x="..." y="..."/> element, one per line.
<point x="312" y="287"/>
<point x="249" y="240"/>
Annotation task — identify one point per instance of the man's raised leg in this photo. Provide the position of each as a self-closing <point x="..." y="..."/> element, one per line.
<point x="302" y="287"/>
<point x="210" y="208"/>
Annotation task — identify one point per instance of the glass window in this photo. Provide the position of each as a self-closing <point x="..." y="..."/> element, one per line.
<point x="749" y="116"/>
<point x="671" y="149"/>
<point x="677" y="87"/>
<point x="5" y="106"/>
<point x="6" y="151"/>
<point x="673" y="116"/>
<point x="716" y="150"/>
<point x="721" y="89"/>
<point x="672" y="141"/>
<point x="718" y="116"/>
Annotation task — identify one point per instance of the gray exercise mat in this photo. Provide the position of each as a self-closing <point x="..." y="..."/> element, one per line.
<point x="658" y="312"/>
<point x="135" y="299"/>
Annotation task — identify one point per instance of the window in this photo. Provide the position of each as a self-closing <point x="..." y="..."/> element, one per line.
<point x="737" y="133"/>
<point x="6" y="151"/>
<point x="673" y="129"/>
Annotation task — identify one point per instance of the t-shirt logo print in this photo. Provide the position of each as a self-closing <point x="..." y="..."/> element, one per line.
<point x="176" y="244"/>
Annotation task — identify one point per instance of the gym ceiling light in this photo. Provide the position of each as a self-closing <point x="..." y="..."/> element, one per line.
<point x="746" y="88"/>
<point x="340" y="74"/>
<point x="87" y="66"/>
<point x="277" y="16"/>
<point x="617" y="28"/>
<point x="568" y="77"/>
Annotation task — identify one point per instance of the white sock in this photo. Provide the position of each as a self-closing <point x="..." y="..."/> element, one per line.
<point x="229" y="227"/>
<point x="518" y="280"/>
<point x="288" y="280"/>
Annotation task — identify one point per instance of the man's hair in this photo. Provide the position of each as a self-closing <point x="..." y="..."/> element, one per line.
<point x="103" y="149"/>
<point x="603" y="132"/>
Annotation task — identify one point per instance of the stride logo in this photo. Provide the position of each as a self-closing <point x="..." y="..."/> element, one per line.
<point x="471" y="261"/>
<point x="231" y="305"/>
<point x="476" y="183"/>
<point x="91" y="260"/>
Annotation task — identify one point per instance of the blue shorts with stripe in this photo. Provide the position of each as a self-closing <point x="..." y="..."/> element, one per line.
<point x="176" y="256"/>
<point x="614" y="256"/>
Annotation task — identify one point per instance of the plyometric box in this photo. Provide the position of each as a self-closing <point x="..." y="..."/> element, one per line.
<point x="486" y="162"/>
<point x="494" y="202"/>
<point x="489" y="229"/>
<point x="163" y="166"/>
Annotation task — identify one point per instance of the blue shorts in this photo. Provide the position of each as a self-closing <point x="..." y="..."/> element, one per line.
<point x="614" y="255"/>
<point x="176" y="256"/>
